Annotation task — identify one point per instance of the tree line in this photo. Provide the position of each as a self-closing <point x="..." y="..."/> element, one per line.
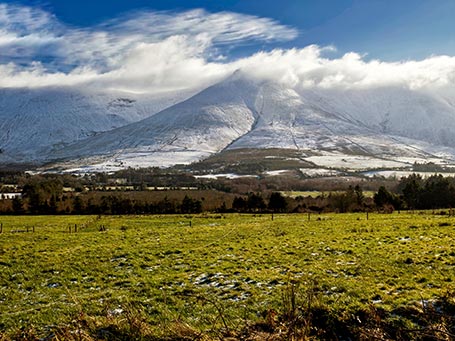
<point x="46" y="196"/>
<point x="415" y="192"/>
<point x="42" y="195"/>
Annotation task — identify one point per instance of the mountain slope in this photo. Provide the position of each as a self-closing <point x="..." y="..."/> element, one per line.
<point x="33" y="122"/>
<point x="204" y="124"/>
<point x="386" y="127"/>
<point x="378" y="121"/>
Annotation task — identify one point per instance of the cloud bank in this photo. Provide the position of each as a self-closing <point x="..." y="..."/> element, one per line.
<point x="155" y="52"/>
<point x="308" y="67"/>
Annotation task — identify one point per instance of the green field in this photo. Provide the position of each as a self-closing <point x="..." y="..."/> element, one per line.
<point x="315" y="194"/>
<point x="212" y="277"/>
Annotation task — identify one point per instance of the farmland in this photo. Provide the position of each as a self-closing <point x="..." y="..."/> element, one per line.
<point x="218" y="276"/>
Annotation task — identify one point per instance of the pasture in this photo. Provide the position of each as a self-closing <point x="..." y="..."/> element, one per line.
<point x="229" y="276"/>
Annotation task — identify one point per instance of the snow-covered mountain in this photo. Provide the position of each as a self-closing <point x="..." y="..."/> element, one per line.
<point x="34" y="122"/>
<point x="193" y="129"/>
<point x="381" y="121"/>
<point x="386" y="127"/>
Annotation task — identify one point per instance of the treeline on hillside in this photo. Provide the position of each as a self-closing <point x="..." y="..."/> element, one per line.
<point x="112" y="204"/>
<point x="149" y="178"/>
<point x="415" y="192"/>
<point x="45" y="195"/>
<point x="38" y="201"/>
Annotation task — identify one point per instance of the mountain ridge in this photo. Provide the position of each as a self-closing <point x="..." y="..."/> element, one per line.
<point x="382" y="123"/>
<point x="35" y="122"/>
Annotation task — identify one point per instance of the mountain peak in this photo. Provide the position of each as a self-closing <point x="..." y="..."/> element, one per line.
<point x="238" y="112"/>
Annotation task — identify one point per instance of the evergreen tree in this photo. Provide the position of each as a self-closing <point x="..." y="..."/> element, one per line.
<point x="78" y="205"/>
<point x="277" y="202"/>
<point x="239" y="204"/>
<point x="190" y="205"/>
<point x="382" y="197"/>
<point x="411" y="187"/>
<point x="255" y="203"/>
<point x="18" y="205"/>
<point x="385" y="198"/>
<point x="359" y="195"/>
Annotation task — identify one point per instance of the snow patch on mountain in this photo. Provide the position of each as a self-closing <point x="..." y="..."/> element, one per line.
<point x="34" y="122"/>
<point x="193" y="129"/>
<point x="333" y="128"/>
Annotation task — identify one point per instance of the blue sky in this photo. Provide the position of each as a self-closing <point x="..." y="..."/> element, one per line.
<point x="384" y="29"/>
<point x="175" y="45"/>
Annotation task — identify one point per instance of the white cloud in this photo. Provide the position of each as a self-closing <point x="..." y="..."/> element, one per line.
<point x="145" y="51"/>
<point x="161" y="51"/>
<point x="25" y="30"/>
<point x="307" y="67"/>
<point x="173" y="64"/>
<point x="35" y="75"/>
<point x="221" y="28"/>
<point x="34" y="33"/>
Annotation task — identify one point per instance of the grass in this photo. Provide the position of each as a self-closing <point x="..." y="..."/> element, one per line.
<point x="315" y="194"/>
<point x="156" y="276"/>
<point x="252" y="161"/>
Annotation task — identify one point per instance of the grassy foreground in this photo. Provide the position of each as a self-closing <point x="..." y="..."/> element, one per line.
<point x="212" y="277"/>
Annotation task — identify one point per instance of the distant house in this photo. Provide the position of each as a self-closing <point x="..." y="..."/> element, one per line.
<point x="10" y="195"/>
<point x="117" y="181"/>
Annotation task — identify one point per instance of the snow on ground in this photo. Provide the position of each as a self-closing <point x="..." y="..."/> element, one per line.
<point x="378" y="129"/>
<point x="353" y="162"/>
<point x="399" y="174"/>
<point x="162" y="159"/>
<point x="276" y="172"/>
<point x="227" y="176"/>
<point x="319" y="172"/>
<point x="34" y="123"/>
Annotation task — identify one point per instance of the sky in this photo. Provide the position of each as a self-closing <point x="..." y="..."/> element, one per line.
<point x="168" y="45"/>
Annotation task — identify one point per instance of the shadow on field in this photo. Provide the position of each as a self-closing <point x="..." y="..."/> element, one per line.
<point x="302" y="315"/>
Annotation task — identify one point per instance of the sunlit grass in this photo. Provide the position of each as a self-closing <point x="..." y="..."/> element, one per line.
<point x="188" y="268"/>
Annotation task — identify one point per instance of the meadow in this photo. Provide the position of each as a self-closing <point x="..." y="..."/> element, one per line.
<point x="228" y="277"/>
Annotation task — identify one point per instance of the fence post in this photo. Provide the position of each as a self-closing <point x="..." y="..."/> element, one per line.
<point x="75" y="228"/>
<point x="1" y="227"/>
<point x="309" y="216"/>
<point x="33" y="227"/>
<point x="367" y="215"/>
